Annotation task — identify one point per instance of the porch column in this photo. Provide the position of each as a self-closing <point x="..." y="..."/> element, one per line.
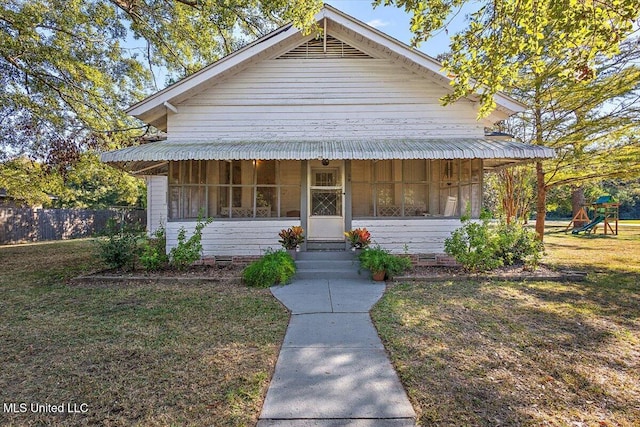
<point x="304" y="202"/>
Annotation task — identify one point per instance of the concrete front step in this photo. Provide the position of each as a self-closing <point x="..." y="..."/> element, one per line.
<point x="327" y="265"/>
<point x="327" y="271"/>
<point x="325" y="255"/>
<point x="320" y="245"/>
<point x="324" y="273"/>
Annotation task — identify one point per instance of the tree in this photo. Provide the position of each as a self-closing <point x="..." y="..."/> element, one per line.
<point x="90" y="183"/>
<point x="87" y="184"/>
<point x="66" y="75"/>
<point x="506" y="36"/>
<point x="28" y="182"/>
<point x="511" y="192"/>
<point x="627" y="193"/>
<point x="592" y="125"/>
<point x="541" y="45"/>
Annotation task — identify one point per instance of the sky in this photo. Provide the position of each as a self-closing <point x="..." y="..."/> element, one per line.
<point x="395" y="22"/>
<point x="389" y="19"/>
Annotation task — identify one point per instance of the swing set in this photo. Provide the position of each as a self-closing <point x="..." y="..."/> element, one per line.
<point x="605" y="210"/>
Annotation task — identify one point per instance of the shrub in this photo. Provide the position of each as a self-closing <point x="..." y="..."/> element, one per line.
<point x="474" y="245"/>
<point x="479" y="247"/>
<point x="188" y="250"/>
<point x="273" y="268"/>
<point x="517" y="244"/>
<point x="118" y="249"/>
<point x="154" y="251"/>
<point x="377" y="259"/>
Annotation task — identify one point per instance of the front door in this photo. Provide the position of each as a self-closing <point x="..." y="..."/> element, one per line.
<point x="326" y="201"/>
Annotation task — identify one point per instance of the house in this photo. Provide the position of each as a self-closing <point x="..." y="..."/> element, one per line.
<point x="331" y="133"/>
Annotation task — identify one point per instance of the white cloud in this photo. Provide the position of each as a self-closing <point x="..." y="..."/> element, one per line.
<point x="378" y="23"/>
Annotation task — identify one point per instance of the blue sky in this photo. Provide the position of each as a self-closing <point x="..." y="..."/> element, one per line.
<point x="395" y="22"/>
<point x="390" y="20"/>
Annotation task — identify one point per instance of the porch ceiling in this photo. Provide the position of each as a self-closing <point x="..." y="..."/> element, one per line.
<point x="496" y="152"/>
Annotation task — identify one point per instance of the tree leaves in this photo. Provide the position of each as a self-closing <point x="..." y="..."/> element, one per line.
<point x="507" y="37"/>
<point x="67" y="71"/>
<point x="65" y="75"/>
<point x="87" y="184"/>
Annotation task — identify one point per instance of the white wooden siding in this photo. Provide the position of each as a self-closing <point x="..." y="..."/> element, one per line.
<point x="236" y="238"/>
<point x="311" y="99"/>
<point x="156" y="202"/>
<point x="233" y="238"/>
<point x="421" y="236"/>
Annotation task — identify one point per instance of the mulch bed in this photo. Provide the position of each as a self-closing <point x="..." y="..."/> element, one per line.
<point x="193" y="274"/>
<point x="514" y="272"/>
<point x="232" y="274"/>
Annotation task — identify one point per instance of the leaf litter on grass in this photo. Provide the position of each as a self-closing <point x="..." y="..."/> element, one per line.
<point x="488" y="352"/>
<point x="143" y="354"/>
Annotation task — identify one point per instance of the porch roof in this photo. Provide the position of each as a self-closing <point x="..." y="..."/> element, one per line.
<point x="495" y="152"/>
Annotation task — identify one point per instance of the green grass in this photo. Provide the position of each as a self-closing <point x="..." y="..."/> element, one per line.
<point x="475" y="353"/>
<point x="487" y="353"/>
<point x="136" y="354"/>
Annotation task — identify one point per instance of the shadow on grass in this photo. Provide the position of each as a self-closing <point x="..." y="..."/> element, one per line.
<point x="136" y="354"/>
<point x="481" y="353"/>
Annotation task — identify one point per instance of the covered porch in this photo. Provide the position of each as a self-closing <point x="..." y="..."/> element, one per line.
<point x="408" y="193"/>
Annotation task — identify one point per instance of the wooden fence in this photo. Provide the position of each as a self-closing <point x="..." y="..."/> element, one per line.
<point x="18" y="225"/>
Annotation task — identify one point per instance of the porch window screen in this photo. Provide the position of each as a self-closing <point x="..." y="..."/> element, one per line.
<point x="415" y="188"/>
<point x="234" y="189"/>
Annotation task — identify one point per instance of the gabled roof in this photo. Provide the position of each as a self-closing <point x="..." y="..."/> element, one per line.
<point x="153" y="109"/>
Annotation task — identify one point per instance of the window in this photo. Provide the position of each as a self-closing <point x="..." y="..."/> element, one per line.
<point x="415" y="188"/>
<point x="234" y="189"/>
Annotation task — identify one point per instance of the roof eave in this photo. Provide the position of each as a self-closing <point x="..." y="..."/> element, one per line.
<point x="505" y="103"/>
<point x="152" y="110"/>
<point x="145" y="107"/>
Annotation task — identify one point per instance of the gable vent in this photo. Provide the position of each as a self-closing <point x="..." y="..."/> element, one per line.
<point x="314" y="49"/>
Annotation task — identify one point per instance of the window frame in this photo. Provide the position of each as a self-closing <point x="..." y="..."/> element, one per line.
<point x="175" y="184"/>
<point x="453" y="180"/>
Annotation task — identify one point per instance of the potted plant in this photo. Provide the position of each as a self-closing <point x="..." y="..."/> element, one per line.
<point x="291" y="238"/>
<point x="382" y="263"/>
<point x="358" y="238"/>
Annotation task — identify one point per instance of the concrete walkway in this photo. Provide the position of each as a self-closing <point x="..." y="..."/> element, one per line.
<point x="332" y="369"/>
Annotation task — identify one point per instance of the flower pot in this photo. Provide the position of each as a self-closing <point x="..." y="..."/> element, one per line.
<point x="378" y="276"/>
<point x="293" y="253"/>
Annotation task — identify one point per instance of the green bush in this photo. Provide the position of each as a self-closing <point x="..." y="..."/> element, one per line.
<point x="480" y="247"/>
<point x="474" y="245"/>
<point x="517" y="244"/>
<point x="188" y="250"/>
<point x="275" y="267"/>
<point x="376" y="259"/>
<point x="154" y="251"/>
<point x="119" y="246"/>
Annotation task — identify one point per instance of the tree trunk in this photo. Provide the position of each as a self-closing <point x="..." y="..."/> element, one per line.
<point x="508" y="198"/>
<point x="577" y="202"/>
<point x="541" y="201"/>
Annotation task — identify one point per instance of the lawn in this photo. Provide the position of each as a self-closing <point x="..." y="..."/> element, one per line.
<point x="481" y="353"/>
<point x="134" y="354"/>
<point x="488" y="353"/>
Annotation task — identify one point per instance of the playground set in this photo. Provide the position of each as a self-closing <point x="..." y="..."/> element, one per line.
<point x="605" y="211"/>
